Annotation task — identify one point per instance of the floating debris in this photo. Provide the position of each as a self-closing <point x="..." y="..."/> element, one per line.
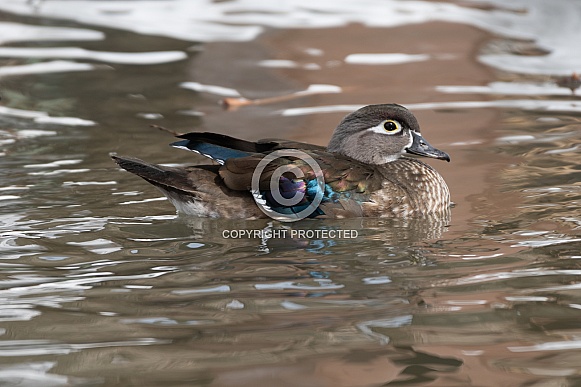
<point x="571" y="82"/>
<point x="234" y="103"/>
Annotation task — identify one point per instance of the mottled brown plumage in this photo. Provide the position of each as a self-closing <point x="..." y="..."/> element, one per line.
<point x="364" y="169"/>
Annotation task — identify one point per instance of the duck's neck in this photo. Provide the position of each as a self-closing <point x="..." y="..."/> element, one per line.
<point x="365" y="156"/>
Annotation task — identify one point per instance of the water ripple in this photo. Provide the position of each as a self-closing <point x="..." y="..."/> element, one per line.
<point x="480" y="278"/>
<point x="56" y="66"/>
<point x="553" y="26"/>
<point x="17" y="32"/>
<point x="10" y="348"/>
<point x="524" y="104"/>
<point x="43" y="117"/>
<point x="135" y="58"/>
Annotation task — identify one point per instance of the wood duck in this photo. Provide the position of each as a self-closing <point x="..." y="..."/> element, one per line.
<point x="365" y="171"/>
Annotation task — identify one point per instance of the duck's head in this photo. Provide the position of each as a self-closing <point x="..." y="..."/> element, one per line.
<point x="379" y="134"/>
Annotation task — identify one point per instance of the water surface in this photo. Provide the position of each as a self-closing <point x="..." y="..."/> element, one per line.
<point x="102" y="284"/>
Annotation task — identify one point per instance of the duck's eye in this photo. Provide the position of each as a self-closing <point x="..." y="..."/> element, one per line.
<point x="391" y="126"/>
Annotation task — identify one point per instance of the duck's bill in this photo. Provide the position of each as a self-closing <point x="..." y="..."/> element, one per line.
<point x="421" y="147"/>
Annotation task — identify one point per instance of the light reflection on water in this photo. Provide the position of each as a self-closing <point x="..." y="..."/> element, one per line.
<point x="101" y="284"/>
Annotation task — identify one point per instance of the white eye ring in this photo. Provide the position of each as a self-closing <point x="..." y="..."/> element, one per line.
<point x="388" y="127"/>
<point x="391" y="126"/>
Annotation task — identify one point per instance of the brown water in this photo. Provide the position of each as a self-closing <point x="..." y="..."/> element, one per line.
<point x="102" y="284"/>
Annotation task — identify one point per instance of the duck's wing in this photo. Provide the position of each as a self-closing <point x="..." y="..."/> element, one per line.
<point x="344" y="185"/>
<point x="220" y="147"/>
<point x="196" y="190"/>
<point x="179" y="178"/>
